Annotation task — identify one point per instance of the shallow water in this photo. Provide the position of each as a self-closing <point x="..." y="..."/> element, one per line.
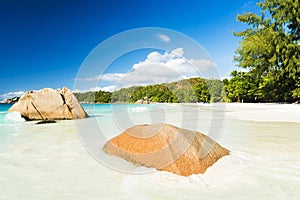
<point x="49" y="161"/>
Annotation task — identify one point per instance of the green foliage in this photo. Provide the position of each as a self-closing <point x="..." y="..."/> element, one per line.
<point x="270" y="50"/>
<point x="88" y="97"/>
<point x="296" y="92"/>
<point x="102" y="97"/>
<point x="94" y="97"/>
<point x="215" y="88"/>
<point x="183" y="91"/>
<point x="242" y="87"/>
<point x="123" y="95"/>
<point x="157" y="93"/>
<point x="202" y="92"/>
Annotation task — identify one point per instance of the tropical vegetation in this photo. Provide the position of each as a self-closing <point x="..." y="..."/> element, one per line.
<point x="269" y="51"/>
<point x="183" y="91"/>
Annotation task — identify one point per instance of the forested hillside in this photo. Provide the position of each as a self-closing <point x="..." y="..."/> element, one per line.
<point x="183" y="91"/>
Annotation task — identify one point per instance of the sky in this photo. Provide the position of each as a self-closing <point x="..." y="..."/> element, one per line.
<point x="43" y="43"/>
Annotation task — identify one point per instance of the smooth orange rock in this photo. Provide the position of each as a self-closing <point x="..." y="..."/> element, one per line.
<point x="166" y="147"/>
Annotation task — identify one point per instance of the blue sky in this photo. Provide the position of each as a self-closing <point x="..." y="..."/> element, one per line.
<point x="44" y="42"/>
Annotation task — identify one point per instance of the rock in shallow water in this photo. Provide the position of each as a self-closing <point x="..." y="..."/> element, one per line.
<point x="49" y="104"/>
<point x="46" y="122"/>
<point x="166" y="147"/>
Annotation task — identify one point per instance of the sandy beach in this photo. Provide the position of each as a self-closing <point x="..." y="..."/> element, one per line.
<point x="264" y="112"/>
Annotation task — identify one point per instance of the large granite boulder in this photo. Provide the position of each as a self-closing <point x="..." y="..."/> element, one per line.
<point x="49" y="104"/>
<point x="166" y="147"/>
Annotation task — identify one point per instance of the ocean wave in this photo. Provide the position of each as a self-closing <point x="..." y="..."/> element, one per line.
<point x="14" y="116"/>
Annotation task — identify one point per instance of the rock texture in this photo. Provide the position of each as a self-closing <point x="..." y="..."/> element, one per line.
<point x="166" y="147"/>
<point x="49" y="104"/>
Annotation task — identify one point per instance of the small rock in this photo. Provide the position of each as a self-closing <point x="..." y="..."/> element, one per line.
<point x="46" y="122"/>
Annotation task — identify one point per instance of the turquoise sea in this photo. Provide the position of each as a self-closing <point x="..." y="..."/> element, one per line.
<point x="64" y="160"/>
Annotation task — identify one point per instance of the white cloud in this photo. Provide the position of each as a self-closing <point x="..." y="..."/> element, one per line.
<point x="109" y="88"/>
<point x="104" y="77"/>
<point x="156" y="68"/>
<point x="178" y="52"/>
<point x="164" y="38"/>
<point x="112" y="77"/>
<point x="175" y="62"/>
<point x="162" y="68"/>
<point x="149" y="74"/>
<point x="80" y="91"/>
<point x="94" y="78"/>
<point x="11" y="95"/>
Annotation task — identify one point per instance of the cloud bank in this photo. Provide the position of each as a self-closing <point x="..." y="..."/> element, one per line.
<point x="156" y="68"/>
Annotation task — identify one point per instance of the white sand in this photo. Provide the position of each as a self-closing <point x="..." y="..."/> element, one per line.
<point x="264" y="112"/>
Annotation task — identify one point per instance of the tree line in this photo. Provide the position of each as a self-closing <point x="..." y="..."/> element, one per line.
<point x="183" y="91"/>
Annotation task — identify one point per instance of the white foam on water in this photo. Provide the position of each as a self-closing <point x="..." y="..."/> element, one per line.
<point x="14" y="116"/>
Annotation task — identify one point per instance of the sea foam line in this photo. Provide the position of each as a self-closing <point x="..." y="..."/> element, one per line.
<point x="14" y="116"/>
